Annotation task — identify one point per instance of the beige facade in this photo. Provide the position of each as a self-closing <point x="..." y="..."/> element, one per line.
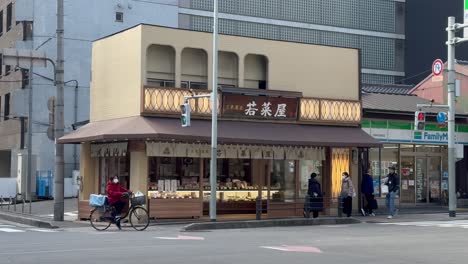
<point x="125" y="62"/>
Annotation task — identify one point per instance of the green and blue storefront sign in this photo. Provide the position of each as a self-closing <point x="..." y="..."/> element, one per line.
<point x="403" y="132"/>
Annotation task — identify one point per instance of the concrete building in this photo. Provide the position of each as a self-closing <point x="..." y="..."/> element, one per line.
<point x="377" y="27"/>
<point x="26" y="24"/>
<point x="270" y="140"/>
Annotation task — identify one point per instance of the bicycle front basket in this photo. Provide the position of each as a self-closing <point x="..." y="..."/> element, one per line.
<point x="140" y="200"/>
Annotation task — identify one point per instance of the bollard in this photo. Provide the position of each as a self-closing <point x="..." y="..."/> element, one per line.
<point x="258" y="208"/>
<point x="307" y="206"/>
<point x="14" y="205"/>
<point x="1" y="204"/>
<point x="9" y="202"/>
<point x="22" y="207"/>
<point x="340" y="207"/>
<point x="30" y="205"/>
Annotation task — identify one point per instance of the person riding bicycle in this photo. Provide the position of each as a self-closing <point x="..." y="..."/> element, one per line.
<point x="115" y="195"/>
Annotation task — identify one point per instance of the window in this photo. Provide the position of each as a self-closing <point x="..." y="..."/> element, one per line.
<point x="1" y="22"/>
<point x="7" y="69"/>
<point x="9" y="16"/>
<point x="6" y="111"/>
<point x="119" y="17"/>
<point x="1" y="66"/>
<point x="160" y="83"/>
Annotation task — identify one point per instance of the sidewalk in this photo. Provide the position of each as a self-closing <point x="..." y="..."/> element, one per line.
<point x="45" y="209"/>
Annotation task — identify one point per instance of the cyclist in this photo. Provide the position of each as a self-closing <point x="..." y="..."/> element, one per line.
<point x="115" y="195"/>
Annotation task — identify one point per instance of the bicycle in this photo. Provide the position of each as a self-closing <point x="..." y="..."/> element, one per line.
<point x="101" y="217"/>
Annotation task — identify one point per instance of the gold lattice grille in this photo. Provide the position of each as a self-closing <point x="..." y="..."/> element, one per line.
<point x="340" y="164"/>
<point x="168" y="101"/>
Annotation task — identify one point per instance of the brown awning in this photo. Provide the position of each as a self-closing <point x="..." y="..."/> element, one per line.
<point x="229" y="132"/>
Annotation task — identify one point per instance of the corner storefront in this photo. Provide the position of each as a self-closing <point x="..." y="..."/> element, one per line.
<point x="420" y="156"/>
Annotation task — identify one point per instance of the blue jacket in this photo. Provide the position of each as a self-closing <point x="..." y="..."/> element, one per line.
<point x="367" y="184"/>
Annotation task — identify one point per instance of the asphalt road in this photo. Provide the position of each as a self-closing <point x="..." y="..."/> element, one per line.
<point x="429" y="242"/>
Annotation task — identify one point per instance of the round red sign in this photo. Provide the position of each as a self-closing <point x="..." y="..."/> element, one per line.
<point x="437" y="67"/>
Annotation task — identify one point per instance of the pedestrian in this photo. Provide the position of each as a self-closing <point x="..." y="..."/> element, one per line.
<point x="367" y="188"/>
<point x="315" y="201"/>
<point x="115" y="196"/>
<point x="393" y="183"/>
<point x="347" y="193"/>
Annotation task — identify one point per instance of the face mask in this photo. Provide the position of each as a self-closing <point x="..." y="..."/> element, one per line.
<point x="115" y="180"/>
<point x="343" y="177"/>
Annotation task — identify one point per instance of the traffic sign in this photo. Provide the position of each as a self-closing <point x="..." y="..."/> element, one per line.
<point x="442" y="117"/>
<point x="437" y="67"/>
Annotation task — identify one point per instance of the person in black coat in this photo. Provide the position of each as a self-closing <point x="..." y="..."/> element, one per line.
<point x="314" y="192"/>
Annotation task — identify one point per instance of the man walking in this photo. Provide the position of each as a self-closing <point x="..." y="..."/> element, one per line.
<point x="393" y="183"/>
<point x="367" y="187"/>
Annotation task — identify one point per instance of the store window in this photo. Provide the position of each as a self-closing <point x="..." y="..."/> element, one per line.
<point x="389" y="157"/>
<point x="174" y="178"/>
<point x="375" y="167"/>
<point x="307" y="167"/>
<point x="114" y="166"/>
<point x="283" y="181"/>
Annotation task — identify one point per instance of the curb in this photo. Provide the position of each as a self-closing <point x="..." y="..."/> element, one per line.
<point x="27" y="220"/>
<point x="269" y="223"/>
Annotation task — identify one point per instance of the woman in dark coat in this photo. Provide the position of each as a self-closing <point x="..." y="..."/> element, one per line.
<point x="314" y="193"/>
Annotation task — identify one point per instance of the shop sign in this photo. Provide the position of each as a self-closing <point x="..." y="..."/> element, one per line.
<point x="260" y="107"/>
<point x="431" y="136"/>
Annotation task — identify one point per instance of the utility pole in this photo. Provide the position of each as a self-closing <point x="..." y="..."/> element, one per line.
<point x="30" y="127"/>
<point x="214" y="117"/>
<point x="451" y="115"/>
<point x="59" y="116"/>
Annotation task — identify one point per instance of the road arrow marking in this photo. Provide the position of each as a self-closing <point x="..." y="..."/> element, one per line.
<point x="302" y="249"/>
<point x="181" y="238"/>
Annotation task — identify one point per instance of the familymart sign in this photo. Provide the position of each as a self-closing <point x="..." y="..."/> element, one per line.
<point x="400" y="132"/>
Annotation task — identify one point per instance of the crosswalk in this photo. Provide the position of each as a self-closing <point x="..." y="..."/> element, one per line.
<point x="442" y="224"/>
<point x="68" y="216"/>
<point x="14" y="228"/>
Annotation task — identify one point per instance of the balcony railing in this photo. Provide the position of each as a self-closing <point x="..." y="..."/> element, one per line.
<point x="159" y="101"/>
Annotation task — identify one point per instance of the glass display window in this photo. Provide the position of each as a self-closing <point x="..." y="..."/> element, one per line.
<point x="307" y="167"/>
<point x="283" y="181"/>
<point x="174" y="178"/>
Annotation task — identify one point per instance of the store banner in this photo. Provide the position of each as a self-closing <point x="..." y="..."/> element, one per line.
<point x="231" y="151"/>
<point x="259" y="107"/>
<point x="221" y="152"/>
<point x="256" y="152"/>
<point x="278" y="153"/>
<point x="205" y="151"/>
<point x="193" y="150"/>
<point x="243" y="152"/>
<point x="291" y="153"/>
<point x="109" y="150"/>
<point x="180" y="150"/>
<point x="267" y="153"/>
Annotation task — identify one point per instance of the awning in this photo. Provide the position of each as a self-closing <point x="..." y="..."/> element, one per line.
<point x="229" y="132"/>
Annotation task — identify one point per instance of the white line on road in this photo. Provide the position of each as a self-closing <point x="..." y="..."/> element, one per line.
<point x="42" y="230"/>
<point x="6" y="226"/>
<point x="11" y="230"/>
<point x="181" y="238"/>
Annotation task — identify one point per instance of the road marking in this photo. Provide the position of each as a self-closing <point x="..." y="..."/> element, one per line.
<point x="181" y="238"/>
<point x="442" y="224"/>
<point x="11" y="230"/>
<point x="42" y="230"/>
<point x="6" y="226"/>
<point x="301" y="249"/>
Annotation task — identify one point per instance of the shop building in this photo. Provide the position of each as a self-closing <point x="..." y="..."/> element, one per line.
<point x="291" y="117"/>
<point x="419" y="156"/>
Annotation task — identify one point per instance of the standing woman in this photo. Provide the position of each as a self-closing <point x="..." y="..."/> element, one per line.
<point x="314" y="192"/>
<point x="347" y="193"/>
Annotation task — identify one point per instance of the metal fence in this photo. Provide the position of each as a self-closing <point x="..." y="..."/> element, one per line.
<point x="16" y="204"/>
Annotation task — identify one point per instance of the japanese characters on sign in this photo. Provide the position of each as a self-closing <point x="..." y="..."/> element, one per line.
<point x="260" y="107"/>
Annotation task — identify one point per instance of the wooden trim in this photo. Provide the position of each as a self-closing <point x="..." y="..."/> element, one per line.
<point x="136" y="146"/>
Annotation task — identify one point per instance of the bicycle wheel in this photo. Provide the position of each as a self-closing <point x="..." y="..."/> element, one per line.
<point x="98" y="220"/>
<point x="139" y="218"/>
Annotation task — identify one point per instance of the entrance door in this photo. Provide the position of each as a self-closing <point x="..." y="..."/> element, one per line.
<point x="428" y="176"/>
